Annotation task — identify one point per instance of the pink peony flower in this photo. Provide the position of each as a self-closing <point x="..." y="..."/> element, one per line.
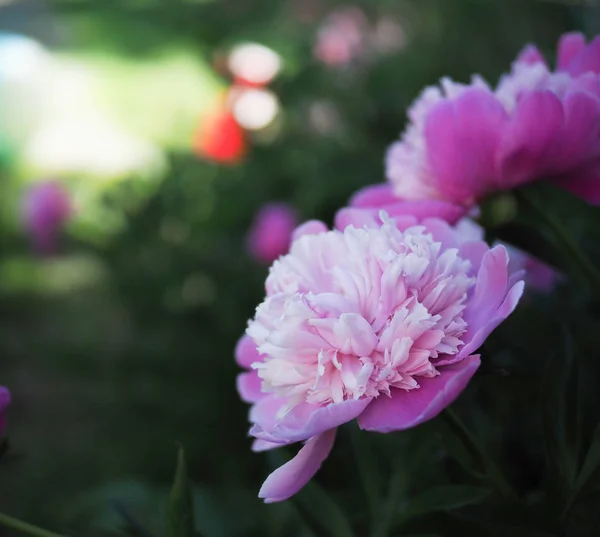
<point x="4" y="404"/>
<point x="47" y="206"/>
<point x="271" y="232"/>
<point x="378" y="323"/>
<point x="465" y="141"/>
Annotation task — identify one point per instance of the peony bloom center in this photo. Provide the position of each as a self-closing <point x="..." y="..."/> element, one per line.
<point x="356" y="313"/>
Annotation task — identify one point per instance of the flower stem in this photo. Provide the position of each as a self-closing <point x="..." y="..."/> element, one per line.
<point x="368" y="472"/>
<point x="482" y="459"/>
<point x="24" y="527"/>
<point x="564" y="240"/>
<point x="388" y="509"/>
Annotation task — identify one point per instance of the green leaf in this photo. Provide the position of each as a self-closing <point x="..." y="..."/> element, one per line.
<point x="444" y="498"/>
<point x="4" y="447"/>
<point x="180" y="510"/>
<point x="321" y="513"/>
<point x="558" y="411"/>
<point x="591" y="462"/>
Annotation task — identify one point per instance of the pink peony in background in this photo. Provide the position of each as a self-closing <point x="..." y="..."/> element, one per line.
<point x="379" y="323"/>
<point x="46" y="208"/>
<point x="271" y="232"/>
<point x="341" y="39"/>
<point x="4" y="404"/>
<point x="465" y="141"/>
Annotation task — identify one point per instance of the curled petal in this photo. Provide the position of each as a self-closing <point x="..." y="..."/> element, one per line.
<point x="493" y="300"/>
<point x="406" y="409"/>
<point x="288" y="479"/>
<point x="304" y="420"/>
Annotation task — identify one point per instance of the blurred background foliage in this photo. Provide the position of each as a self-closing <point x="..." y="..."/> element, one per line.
<point x="120" y="345"/>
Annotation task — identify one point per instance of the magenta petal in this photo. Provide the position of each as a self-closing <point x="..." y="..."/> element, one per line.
<point x="528" y="137"/>
<point x="586" y="60"/>
<point x="5" y="400"/>
<point x="249" y="387"/>
<point x="312" y="227"/>
<point x="569" y="46"/>
<point x="490" y="289"/>
<point x="304" y="420"/>
<point x="585" y="184"/>
<point x="462" y="138"/>
<point x="531" y="55"/>
<point x="579" y="141"/>
<point x="373" y="196"/>
<point x="492" y="300"/>
<point x="288" y="479"/>
<point x="406" y="409"/>
<point x="421" y="209"/>
<point x="246" y="352"/>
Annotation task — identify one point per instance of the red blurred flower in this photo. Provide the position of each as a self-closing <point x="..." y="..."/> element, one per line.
<point x="219" y="137"/>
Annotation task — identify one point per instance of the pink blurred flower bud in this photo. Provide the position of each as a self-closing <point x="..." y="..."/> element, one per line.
<point x="46" y="208"/>
<point x="270" y="234"/>
<point x="341" y="39"/>
<point x="4" y="404"/>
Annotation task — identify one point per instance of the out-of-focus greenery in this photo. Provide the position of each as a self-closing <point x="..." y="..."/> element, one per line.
<point x="122" y="346"/>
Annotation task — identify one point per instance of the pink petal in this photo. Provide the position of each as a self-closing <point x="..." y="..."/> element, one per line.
<point x="262" y="445"/>
<point x="249" y="387"/>
<point x="303" y="421"/>
<point x="462" y="138"/>
<point x="406" y="409"/>
<point x="288" y="479"/>
<point x="569" y="46"/>
<point x="466" y="236"/>
<point x="586" y="60"/>
<point x="531" y="55"/>
<point x="312" y="227"/>
<point x="478" y="331"/>
<point x="373" y="196"/>
<point x="528" y="137"/>
<point x="492" y="300"/>
<point x="246" y="352"/>
<point x="264" y="412"/>
<point x="357" y="217"/>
